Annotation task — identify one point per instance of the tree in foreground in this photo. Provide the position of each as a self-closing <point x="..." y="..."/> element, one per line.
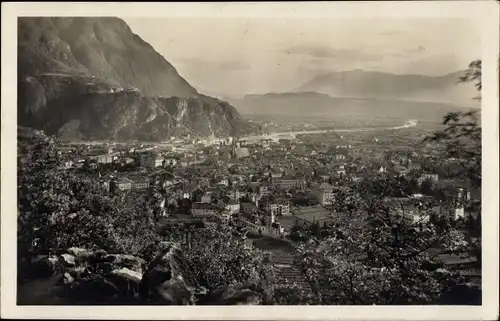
<point x="462" y="140"/>
<point x="376" y="256"/>
<point x="58" y="209"/>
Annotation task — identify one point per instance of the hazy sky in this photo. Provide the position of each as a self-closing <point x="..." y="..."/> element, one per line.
<point x="234" y="56"/>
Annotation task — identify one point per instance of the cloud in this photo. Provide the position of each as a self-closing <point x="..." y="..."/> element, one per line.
<point x="225" y="65"/>
<point x="417" y="50"/>
<point x="320" y="51"/>
<point x="341" y="55"/>
<point x="390" y="33"/>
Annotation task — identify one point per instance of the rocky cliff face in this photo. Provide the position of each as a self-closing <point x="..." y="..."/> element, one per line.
<point x="92" y="78"/>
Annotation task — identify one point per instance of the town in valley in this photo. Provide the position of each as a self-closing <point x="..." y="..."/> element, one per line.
<point x="135" y="187"/>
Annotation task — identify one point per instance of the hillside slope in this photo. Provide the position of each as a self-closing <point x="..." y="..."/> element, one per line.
<point x="93" y="78"/>
<point x="103" y="47"/>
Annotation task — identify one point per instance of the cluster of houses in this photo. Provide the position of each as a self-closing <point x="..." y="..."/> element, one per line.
<point x="253" y="186"/>
<point x="249" y="184"/>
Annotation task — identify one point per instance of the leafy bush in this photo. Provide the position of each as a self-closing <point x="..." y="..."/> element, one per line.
<point x="58" y="209"/>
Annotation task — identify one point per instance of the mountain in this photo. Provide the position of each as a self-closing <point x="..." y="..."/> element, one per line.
<point x="283" y="103"/>
<point x="307" y="105"/>
<point x="93" y="78"/>
<point x="368" y="84"/>
<point x="215" y="94"/>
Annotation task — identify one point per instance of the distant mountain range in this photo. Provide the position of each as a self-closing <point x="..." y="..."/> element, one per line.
<point x="303" y="105"/>
<point x="372" y="94"/>
<point x="379" y="85"/>
<point x="93" y="78"/>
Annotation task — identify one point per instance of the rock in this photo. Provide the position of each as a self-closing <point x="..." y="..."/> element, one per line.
<point x="128" y="274"/>
<point x="53" y="261"/>
<point x="79" y="252"/>
<point x="172" y="105"/>
<point x="97" y="257"/>
<point x="200" y="291"/>
<point x="85" y="256"/>
<point x="78" y="272"/>
<point x="168" y="279"/>
<point x="124" y="260"/>
<point x="67" y="278"/>
<point x="100" y="254"/>
<point x="67" y="260"/>
<point x="103" y="268"/>
<point x="175" y="292"/>
<point x="127" y="281"/>
<point x="42" y="266"/>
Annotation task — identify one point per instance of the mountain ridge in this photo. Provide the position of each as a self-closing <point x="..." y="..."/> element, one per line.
<point x="311" y="104"/>
<point x="359" y="83"/>
<point x="93" y="78"/>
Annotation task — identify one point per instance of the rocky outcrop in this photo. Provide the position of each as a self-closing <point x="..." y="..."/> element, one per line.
<point x="129" y="116"/>
<point x="93" y="79"/>
<point x="81" y="276"/>
<point x="67" y="260"/>
<point x="127" y="261"/>
<point x="104" y="47"/>
<point x="169" y="279"/>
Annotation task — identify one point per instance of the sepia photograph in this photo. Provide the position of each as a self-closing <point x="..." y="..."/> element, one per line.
<point x="241" y="159"/>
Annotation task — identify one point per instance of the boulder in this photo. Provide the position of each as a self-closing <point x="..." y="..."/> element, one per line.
<point x="103" y="267"/>
<point x="124" y="260"/>
<point x="97" y="257"/>
<point x="79" y="252"/>
<point x="67" y="260"/>
<point x="127" y="281"/>
<point x="128" y="274"/>
<point x="67" y="278"/>
<point x="53" y="261"/>
<point x="85" y="255"/>
<point x="42" y="266"/>
<point x="78" y="272"/>
<point x="175" y="292"/>
<point x="120" y="286"/>
<point x="168" y="279"/>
